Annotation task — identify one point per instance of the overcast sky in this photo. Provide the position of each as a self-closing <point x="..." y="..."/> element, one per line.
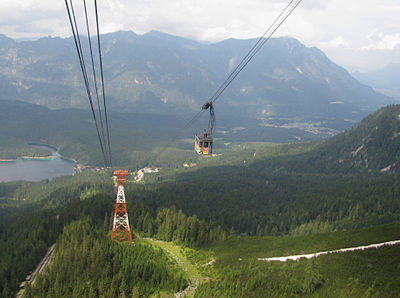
<point x="361" y="35"/>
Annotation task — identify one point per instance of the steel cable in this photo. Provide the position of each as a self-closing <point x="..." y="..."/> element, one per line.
<point x="102" y="80"/>
<point x="285" y="13"/>
<point x="78" y="46"/>
<point x="95" y="80"/>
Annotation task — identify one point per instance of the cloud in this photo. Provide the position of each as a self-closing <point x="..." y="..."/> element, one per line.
<point x="28" y="18"/>
<point x="211" y="20"/>
<point x="341" y="28"/>
<point x="314" y="4"/>
<point x="338" y="42"/>
<point x="379" y="41"/>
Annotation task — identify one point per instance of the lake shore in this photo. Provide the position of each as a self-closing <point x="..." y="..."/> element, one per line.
<point x="53" y="154"/>
<point x="49" y="157"/>
<point x="36" y="168"/>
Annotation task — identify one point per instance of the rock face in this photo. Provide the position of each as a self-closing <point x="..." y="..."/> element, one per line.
<point x="285" y="83"/>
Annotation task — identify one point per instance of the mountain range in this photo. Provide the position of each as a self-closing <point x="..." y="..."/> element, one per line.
<point x="385" y="80"/>
<point x="347" y="182"/>
<point x="287" y="84"/>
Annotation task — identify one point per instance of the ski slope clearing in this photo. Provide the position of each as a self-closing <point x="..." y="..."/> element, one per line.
<point x="309" y="256"/>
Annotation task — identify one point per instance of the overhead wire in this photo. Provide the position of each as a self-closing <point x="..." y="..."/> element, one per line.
<point x="78" y="46"/>
<point x="257" y="46"/>
<point x="95" y="77"/>
<point x="285" y="13"/>
<point x="102" y="81"/>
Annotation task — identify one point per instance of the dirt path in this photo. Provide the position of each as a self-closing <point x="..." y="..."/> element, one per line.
<point x="194" y="275"/>
<point x="309" y="256"/>
<point x="39" y="269"/>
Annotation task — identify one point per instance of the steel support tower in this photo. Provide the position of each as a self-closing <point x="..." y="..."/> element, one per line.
<point x="120" y="230"/>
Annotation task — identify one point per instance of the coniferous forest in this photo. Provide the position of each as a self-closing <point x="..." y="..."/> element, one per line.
<point x="202" y="223"/>
<point x="290" y="188"/>
<point x="88" y="264"/>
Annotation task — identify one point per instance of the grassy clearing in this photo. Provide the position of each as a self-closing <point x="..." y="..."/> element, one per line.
<point x="189" y="260"/>
<point x="177" y="254"/>
<point x="250" y="248"/>
<point x="369" y="273"/>
<point x="237" y="273"/>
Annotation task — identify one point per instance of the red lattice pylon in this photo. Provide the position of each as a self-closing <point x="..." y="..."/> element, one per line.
<point x="121" y="231"/>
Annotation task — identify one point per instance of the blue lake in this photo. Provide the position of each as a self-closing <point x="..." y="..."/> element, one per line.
<point x="36" y="169"/>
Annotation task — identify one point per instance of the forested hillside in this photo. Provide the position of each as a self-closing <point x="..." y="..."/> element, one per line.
<point x="33" y="216"/>
<point x="370" y="146"/>
<point x="138" y="139"/>
<point x="77" y="212"/>
<point x="260" y="200"/>
<point x="296" y="188"/>
<point x="88" y="264"/>
<point x="373" y="272"/>
<point x="254" y="200"/>
<point x="300" y="196"/>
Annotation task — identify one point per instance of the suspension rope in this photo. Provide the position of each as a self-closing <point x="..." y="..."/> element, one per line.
<point x="94" y="76"/>
<point x="78" y="46"/>
<point x="285" y="13"/>
<point x="102" y="81"/>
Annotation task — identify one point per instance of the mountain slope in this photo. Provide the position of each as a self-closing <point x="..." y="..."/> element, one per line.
<point x="372" y="145"/>
<point x="386" y="80"/>
<point x="5" y="41"/>
<point x="286" y="84"/>
<point x="346" y="182"/>
<point x="387" y="77"/>
<point x="73" y="132"/>
<point x="135" y="137"/>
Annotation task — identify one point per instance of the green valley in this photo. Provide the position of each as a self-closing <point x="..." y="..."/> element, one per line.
<point x="121" y="175"/>
<point x="203" y="222"/>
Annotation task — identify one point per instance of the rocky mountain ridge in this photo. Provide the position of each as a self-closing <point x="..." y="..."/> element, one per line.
<point x="285" y="85"/>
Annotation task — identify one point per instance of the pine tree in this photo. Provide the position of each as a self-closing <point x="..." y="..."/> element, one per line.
<point x="106" y="222"/>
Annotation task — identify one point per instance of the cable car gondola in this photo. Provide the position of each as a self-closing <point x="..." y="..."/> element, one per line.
<point x="203" y="141"/>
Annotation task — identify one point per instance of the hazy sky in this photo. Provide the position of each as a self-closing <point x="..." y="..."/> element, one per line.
<point x="359" y="35"/>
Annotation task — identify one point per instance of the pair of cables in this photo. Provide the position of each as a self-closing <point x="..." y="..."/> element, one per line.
<point x="103" y="133"/>
<point x="285" y="13"/>
<point x="104" y="137"/>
